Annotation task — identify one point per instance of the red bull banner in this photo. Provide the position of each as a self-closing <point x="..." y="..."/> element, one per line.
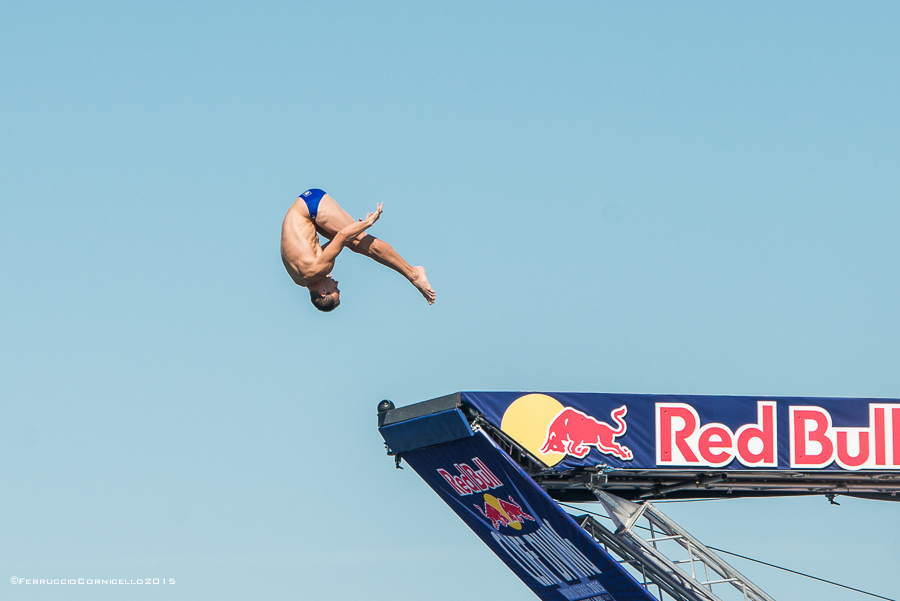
<point x="523" y="526"/>
<point x="634" y="431"/>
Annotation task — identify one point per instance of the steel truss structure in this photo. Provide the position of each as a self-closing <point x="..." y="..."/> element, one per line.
<point x="678" y="565"/>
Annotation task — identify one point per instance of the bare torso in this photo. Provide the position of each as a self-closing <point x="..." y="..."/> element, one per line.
<point x="299" y="243"/>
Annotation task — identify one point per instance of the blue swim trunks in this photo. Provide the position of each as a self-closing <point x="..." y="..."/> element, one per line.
<point x="312" y="197"/>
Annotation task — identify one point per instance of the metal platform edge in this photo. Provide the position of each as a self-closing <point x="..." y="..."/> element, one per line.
<point x="429" y="407"/>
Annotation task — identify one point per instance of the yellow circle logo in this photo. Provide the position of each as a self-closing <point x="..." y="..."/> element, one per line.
<point x="526" y="421"/>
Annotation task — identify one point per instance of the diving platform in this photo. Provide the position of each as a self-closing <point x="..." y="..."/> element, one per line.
<point x="502" y="461"/>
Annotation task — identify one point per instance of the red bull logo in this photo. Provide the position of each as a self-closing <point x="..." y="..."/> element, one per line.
<point x="573" y="432"/>
<point x="799" y="435"/>
<point x="502" y="513"/>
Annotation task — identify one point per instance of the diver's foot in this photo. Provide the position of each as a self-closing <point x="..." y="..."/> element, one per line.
<point x="421" y="283"/>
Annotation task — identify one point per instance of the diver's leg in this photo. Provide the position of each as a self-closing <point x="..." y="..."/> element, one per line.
<point x="331" y="218"/>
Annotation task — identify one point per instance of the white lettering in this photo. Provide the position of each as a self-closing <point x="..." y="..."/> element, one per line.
<point x="548" y="557"/>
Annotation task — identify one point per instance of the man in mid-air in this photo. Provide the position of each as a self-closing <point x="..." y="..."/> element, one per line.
<point x="309" y="264"/>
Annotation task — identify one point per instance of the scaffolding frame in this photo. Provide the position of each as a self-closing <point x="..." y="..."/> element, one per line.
<point x="686" y="570"/>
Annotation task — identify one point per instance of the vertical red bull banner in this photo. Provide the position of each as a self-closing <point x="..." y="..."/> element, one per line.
<point x="636" y="431"/>
<point x="527" y="530"/>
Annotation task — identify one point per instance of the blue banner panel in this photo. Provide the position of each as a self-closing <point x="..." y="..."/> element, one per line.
<point x="540" y="542"/>
<point x="648" y="432"/>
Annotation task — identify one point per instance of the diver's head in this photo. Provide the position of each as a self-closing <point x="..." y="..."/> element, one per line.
<point x="325" y="295"/>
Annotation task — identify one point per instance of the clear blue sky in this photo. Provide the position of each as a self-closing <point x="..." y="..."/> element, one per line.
<point x="642" y="197"/>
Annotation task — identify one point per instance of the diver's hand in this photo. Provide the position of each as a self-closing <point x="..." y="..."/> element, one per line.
<point x="371" y="218"/>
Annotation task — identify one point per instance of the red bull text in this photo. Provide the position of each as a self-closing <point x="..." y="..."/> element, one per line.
<point x="816" y="443"/>
<point x="469" y="480"/>
<point x="682" y="440"/>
